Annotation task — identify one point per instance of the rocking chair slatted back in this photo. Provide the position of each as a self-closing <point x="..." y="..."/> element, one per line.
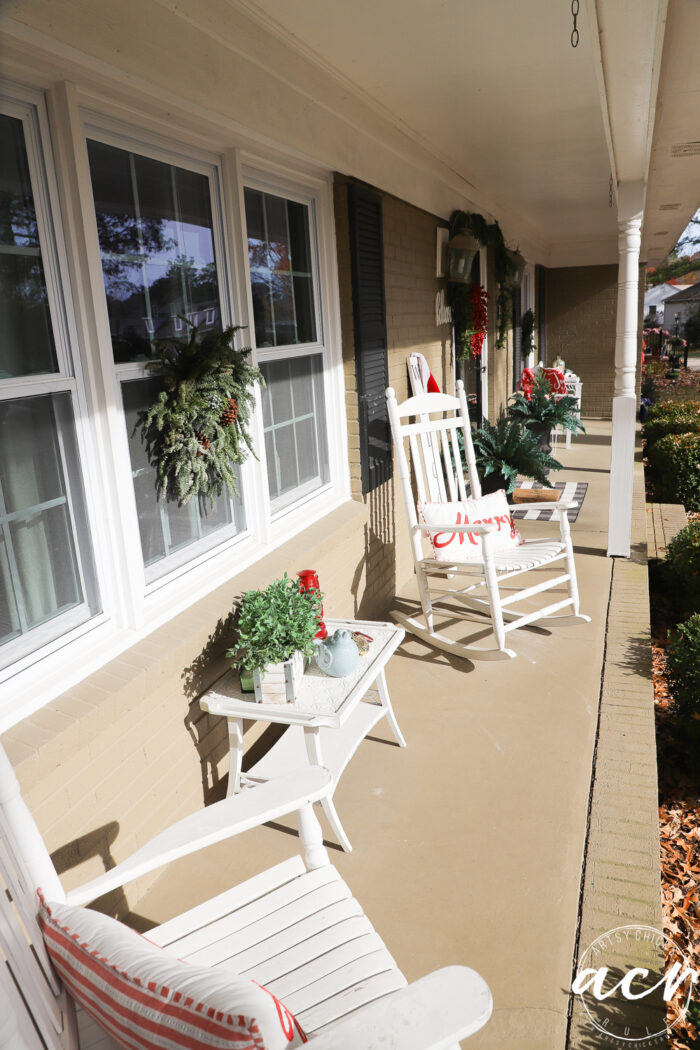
<point x="434" y="447"/>
<point x="428" y="441"/>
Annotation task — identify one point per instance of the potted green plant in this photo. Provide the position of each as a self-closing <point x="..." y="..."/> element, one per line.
<point x="542" y="411"/>
<point x="276" y="629"/>
<point x="196" y="433"/>
<point x="507" y="449"/>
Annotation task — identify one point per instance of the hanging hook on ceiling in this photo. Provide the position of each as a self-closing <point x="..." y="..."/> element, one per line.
<point x="574" y="31"/>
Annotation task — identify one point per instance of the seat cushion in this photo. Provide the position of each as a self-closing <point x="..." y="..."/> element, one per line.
<point x="146" y="999"/>
<point x="466" y="546"/>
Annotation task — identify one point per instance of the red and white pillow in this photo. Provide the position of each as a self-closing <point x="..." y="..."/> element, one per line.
<point x="146" y="999"/>
<point x="557" y="382"/>
<point x="466" y="546"/>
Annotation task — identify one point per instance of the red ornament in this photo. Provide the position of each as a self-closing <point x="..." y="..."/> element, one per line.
<point x="308" y="581"/>
<point x="480" y="318"/>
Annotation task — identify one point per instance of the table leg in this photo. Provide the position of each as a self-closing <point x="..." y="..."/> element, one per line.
<point x="235" y="755"/>
<point x="386" y="704"/>
<point x="312" y="739"/>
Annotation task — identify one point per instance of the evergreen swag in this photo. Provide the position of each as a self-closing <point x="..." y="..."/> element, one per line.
<point x="196" y="433"/>
<point x="488" y="234"/>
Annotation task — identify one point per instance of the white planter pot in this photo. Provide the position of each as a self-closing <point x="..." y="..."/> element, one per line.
<point x="279" y="683"/>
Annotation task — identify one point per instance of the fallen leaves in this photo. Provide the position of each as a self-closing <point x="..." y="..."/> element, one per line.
<point x="679" y="825"/>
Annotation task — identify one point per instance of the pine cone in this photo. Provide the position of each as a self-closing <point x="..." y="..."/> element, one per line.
<point x="229" y="414"/>
<point x="204" y="442"/>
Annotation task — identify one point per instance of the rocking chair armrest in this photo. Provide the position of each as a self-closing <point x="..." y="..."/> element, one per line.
<point x="240" y="812"/>
<point x="478" y="530"/>
<point x="432" y="1013"/>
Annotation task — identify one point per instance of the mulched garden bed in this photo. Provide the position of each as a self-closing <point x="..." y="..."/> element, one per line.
<point x="679" y="813"/>
<point x="685" y="388"/>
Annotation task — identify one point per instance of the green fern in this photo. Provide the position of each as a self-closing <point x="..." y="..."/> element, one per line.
<point x="543" y="407"/>
<point x="194" y="449"/>
<point x="508" y="448"/>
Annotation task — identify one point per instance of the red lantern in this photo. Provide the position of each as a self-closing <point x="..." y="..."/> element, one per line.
<point x="308" y="581"/>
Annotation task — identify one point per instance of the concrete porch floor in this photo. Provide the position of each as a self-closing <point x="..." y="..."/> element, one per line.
<point x="468" y="844"/>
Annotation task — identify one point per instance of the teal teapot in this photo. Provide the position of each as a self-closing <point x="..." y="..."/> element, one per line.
<point x="338" y="655"/>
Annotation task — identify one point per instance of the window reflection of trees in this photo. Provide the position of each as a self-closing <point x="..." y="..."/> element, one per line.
<point x="27" y="346"/>
<point x="156" y="239"/>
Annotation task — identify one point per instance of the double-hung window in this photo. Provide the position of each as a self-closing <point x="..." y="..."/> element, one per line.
<point x="47" y="577"/>
<point x="287" y="320"/>
<point x="160" y="242"/>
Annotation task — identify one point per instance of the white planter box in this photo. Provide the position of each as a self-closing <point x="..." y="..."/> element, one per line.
<point x="280" y="682"/>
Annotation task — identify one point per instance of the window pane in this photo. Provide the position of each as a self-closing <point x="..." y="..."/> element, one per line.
<point x="155" y="227"/>
<point x="42" y="517"/>
<point x="280" y="270"/>
<point x="295" y="428"/>
<point x="26" y="336"/>
<point x="166" y="528"/>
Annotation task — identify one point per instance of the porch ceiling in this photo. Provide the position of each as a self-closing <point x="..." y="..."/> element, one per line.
<point x="673" y="189"/>
<point x="534" y="126"/>
<point x="449" y="103"/>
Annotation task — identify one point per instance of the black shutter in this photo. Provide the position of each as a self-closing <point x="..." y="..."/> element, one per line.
<point x="541" y="307"/>
<point x="369" y="311"/>
<point x="517" y="338"/>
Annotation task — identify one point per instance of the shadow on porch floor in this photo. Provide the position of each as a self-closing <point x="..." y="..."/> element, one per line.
<point x="468" y="844"/>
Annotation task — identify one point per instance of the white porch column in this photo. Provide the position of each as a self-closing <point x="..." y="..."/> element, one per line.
<point x="629" y="221"/>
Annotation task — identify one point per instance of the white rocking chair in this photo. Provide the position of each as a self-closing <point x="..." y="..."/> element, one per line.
<point x="295" y="927"/>
<point x="439" y="479"/>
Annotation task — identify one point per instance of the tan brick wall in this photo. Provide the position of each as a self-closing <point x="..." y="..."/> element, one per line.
<point x="410" y="287"/>
<point x="128" y="751"/>
<point x="581" y="315"/>
<point x="581" y="306"/>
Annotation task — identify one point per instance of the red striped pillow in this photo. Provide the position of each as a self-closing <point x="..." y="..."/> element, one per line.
<point x="146" y="999"/>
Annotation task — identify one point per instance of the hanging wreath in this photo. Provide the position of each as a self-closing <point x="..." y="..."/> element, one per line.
<point x="196" y="433"/>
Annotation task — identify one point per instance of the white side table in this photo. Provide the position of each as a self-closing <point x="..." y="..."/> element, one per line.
<point x="329" y="720"/>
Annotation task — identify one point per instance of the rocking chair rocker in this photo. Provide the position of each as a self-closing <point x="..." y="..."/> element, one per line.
<point x="454" y="514"/>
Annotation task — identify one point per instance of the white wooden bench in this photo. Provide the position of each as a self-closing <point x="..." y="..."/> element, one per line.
<point x="295" y="928"/>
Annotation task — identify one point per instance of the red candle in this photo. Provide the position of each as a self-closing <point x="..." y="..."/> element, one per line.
<point x="308" y="581"/>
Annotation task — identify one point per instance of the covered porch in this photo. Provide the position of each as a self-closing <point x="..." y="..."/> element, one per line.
<point x="475" y="844"/>
<point x="521" y="819"/>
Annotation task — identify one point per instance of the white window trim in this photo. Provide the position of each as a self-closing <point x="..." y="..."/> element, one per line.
<point x="131" y="609"/>
<point x="172" y="567"/>
<point x="316" y="194"/>
<point x="29" y="106"/>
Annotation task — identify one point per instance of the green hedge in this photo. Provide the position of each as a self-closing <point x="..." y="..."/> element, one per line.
<point x="683" y="560"/>
<point x="683" y="674"/>
<point x="683" y="667"/>
<point x="671" y="417"/>
<point x="674" y="465"/>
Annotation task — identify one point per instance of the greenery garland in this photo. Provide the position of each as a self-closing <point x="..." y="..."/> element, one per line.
<point x="527" y="328"/>
<point x="196" y="433"/>
<point x="489" y="235"/>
